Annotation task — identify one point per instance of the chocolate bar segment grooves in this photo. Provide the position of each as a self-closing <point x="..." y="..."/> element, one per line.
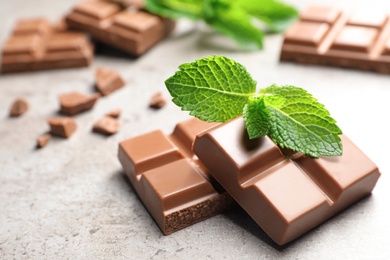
<point x="169" y="178"/>
<point x="328" y="36"/>
<point x="129" y="29"/>
<point x="285" y="197"/>
<point x="35" y="44"/>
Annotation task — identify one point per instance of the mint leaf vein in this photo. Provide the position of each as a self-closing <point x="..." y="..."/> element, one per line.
<point x="217" y="89"/>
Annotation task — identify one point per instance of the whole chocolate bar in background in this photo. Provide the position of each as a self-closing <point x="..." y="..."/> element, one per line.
<point x="35" y="44"/>
<point x="129" y="29"/>
<point x="285" y="197"/>
<point x="328" y="36"/>
<point x="170" y="180"/>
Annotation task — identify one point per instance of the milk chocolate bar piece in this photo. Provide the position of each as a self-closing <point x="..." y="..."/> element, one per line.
<point x="170" y="180"/>
<point x="35" y="44"/>
<point x="107" y="81"/>
<point x="74" y="102"/>
<point x="328" y="36"/>
<point x="285" y="197"/>
<point x="129" y="29"/>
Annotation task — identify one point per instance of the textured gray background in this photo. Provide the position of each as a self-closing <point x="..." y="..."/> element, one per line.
<point x="71" y="200"/>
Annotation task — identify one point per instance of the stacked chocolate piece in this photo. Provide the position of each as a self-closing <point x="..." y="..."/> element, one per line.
<point x="179" y="178"/>
<point x="35" y="44"/>
<point x="129" y="29"/>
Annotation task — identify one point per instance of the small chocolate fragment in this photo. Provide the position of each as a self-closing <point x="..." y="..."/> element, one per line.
<point x="37" y="45"/>
<point x="18" y="107"/>
<point x="130" y="29"/>
<point x="107" y="125"/>
<point x="107" y="81"/>
<point x="285" y="197"/>
<point x="157" y="101"/>
<point x="170" y="180"/>
<point x="43" y="140"/>
<point x="115" y="113"/>
<point x="328" y="36"/>
<point x="62" y="126"/>
<point x="74" y="102"/>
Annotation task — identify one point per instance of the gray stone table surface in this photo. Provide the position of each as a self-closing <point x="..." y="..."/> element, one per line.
<point x="71" y="200"/>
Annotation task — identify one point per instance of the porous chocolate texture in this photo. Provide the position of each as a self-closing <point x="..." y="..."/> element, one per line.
<point x="35" y="44"/>
<point x="172" y="183"/>
<point x="327" y="36"/>
<point x="285" y="197"/>
<point x="129" y="29"/>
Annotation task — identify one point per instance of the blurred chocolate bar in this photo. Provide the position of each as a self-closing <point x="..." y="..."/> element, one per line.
<point x="286" y="197"/>
<point x="127" y="28"/>
<point x="170" y="180"/>
<point x="327" y="36"/>
<point x="35" y="44"/>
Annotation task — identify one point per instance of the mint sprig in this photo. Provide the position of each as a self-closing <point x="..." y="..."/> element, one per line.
<point x="237" y="19"/>
<point x="218" y="89"/>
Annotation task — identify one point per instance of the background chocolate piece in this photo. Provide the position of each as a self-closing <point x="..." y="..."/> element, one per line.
<point x="43" y="140"/>
<point x="107" y="81"/>
<point x="285" y="197"/>
<point x="62" y="126"/>
<point x="106" y="125"/>
<point x="130" y="30"/>
<point x="74" y="102"/>
<point x="36" y="45"/>
<point x="169" y="179"/>
<point x="327" y="36"/>
<point x="18" y="107"/>
<point x="115" y="113"/>
<point x="157" y="101"/>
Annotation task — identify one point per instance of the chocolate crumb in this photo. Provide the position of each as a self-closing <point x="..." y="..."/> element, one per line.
<point x="43" y="140"/>
<point x="74" y="102"/>
<point x="115" y="113"/>
<point x="62" y="126"/>
<point x="19" y="107"/>
<point x="157" y="101"/>
<point x="108" y="81"/>
<point x="107" y="125"/>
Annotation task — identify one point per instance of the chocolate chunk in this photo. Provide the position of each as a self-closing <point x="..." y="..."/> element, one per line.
<point x="18" y="107"/>
<point x="36" y="45"/>
<point x="157" y="101"/>
<point x="170" y="180"/>
<point x="62" y="126"/>
<point x="130" y="30"/>
<point x="43" y="140"/>
<point x="107" y="81"/>
<point x="73" y="103"/>
<point x="115" y="113"/>
<point x="285" y="197"/>
<point x="328" y="36"/>
<point x="107" y="125"/>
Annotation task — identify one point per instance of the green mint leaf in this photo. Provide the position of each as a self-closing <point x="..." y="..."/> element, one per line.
<point x="218" y="89"/>
<point x="237" y="19"/>
<point x="212" y="89"/>
<point x="276" y="15"/>
<point x="256" y="118"/>
<point x="233" y="21"/>
<point x="301" y="123"/>
<point x="176" y="9"/>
